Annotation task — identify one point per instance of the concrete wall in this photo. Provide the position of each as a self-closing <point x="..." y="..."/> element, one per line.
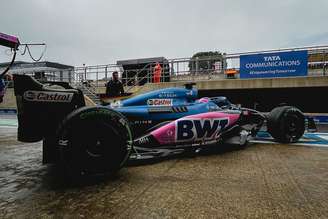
<point x="214" y="83"/>
<point x="218" y="84"/>
<point x="314" y="81"/>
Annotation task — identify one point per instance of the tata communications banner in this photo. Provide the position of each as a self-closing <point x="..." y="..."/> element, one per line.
<point x="282" y="64"/>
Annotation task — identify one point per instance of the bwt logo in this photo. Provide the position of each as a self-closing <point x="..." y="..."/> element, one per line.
<point x="271" y="58"/>
<point x="199" y="129"/>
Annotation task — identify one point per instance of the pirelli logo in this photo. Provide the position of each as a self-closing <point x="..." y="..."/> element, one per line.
<point x="45" y="96"/>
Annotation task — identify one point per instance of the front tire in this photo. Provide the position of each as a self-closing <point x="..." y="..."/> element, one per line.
<point x="94" y="140"/>
<point x="286" y="124"/>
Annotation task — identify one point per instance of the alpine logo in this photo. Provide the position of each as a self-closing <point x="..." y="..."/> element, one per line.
<point x="159" y="102"/>
<point x="199" y="129"/>
<point x="41" y="96"/>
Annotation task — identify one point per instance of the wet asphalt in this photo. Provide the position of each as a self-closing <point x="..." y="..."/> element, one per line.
<point x="261" y="181"/>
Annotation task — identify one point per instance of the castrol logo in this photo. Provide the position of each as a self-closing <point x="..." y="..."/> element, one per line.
<point x="159" y="102"/>
<point x="41" y="96"/>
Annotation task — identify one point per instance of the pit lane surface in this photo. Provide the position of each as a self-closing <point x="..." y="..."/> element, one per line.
<point x="264" y="181"/>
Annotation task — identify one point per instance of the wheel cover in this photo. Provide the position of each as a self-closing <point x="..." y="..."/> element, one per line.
<point x="292" y="127"/>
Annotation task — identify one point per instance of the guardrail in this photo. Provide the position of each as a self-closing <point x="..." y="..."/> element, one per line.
<point x="187" y="69"/>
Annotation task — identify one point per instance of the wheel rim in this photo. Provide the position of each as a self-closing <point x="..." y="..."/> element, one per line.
<point x="99" y="151"/>
<point x="97" y="143"/>
<point x="292" y="127"/>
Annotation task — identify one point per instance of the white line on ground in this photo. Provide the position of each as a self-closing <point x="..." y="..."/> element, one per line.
<point x="293" y="144"/>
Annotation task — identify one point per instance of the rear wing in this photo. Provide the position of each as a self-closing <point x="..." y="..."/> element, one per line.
<point x="40" y="109"/>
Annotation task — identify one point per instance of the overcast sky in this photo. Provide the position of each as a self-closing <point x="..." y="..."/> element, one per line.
<point x="104" y="31"/>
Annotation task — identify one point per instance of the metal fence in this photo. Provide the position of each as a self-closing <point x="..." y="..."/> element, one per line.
<point x="171" y="70"/>
<point x="187" y="69"/>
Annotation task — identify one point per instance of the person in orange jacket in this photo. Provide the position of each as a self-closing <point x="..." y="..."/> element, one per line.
<point x="157" y="73"/>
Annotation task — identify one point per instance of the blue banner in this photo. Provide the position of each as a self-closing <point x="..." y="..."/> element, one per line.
<point x="271" y="65"/>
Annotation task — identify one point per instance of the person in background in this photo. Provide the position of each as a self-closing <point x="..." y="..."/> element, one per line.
<point x="157" y="73"/>
<point x="114" y="87"/>
<point x="2" y="89"/>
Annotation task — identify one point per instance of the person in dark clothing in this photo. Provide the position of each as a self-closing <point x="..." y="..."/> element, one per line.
<point x="114" y="87"/>
<point x="2" y="89"/>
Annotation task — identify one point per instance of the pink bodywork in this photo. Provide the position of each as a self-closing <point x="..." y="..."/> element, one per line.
<point x="203" y="100"/>
<point x="7" y="37"/>
<point x="9" y="41"/>
<point x="167" y="134"/>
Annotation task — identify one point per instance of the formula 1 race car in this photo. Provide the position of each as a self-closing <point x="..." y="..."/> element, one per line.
<point x="101" y="139"/>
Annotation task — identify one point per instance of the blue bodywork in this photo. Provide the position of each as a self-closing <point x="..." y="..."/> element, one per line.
<point x="180" y="102"/>
<point x="179" y="95"/>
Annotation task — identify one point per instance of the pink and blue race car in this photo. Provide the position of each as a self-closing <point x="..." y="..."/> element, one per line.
<point x="161" y="123"/>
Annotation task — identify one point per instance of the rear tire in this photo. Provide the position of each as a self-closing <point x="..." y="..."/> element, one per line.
<point x="94" y="140"/>
<point x="286" y="124"/>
